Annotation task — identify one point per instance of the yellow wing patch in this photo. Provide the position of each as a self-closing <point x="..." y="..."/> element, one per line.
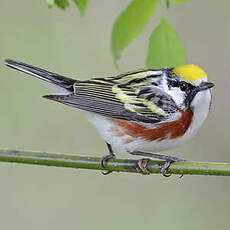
<point x="189" y="72"/>
<point x="131" y="102"/>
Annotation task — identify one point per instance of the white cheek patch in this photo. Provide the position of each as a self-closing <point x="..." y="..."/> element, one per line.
<point x="177" y="95"/>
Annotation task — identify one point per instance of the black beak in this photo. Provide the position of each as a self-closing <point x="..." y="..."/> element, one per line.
<point x="204" y="86"/>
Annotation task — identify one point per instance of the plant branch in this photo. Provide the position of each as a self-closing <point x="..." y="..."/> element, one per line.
<point x="118" y="165"/>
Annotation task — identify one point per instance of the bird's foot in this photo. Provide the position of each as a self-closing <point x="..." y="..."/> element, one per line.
<point x="104" y="159"/>
<point x="163" y="167"/>
<point x="142" y="166"/>
<point x="168" y="161"/>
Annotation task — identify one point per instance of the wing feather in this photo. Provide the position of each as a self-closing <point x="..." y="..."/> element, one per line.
<point x="105" y="108"/>
<point x="124" y="97"/>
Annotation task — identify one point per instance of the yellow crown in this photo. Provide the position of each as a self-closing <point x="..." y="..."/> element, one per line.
<point x="189" y="72"/>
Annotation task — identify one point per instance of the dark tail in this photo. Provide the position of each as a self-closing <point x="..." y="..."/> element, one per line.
<point x="56" y="79"/>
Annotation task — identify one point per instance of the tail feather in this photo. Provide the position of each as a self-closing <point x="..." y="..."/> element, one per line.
<point x="56" y="79"/>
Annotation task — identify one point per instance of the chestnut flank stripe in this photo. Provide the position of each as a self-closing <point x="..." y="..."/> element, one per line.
<point x="173" y="129"/>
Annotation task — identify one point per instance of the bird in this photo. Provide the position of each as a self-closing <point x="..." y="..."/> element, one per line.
<point x="141" y="112"/>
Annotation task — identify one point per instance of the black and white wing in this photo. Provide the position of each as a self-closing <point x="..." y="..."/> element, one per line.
<point x="133" y="96"/>
<point x="110" y="97"/>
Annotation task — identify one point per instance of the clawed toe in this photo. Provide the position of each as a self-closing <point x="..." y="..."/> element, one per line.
<point x="111" y="155"/>
<point x="166" y="165"/>
<point x="106" y="172"/>
<point x="164" y="168"/>
<point x="104" y="160"/>
<point x="142" y="166"/>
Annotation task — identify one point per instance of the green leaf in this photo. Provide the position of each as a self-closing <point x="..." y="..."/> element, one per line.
<point x="81" y="4"/>
<point x="178" y="1"/>
<point x="62" y="3"/>
<point x="50" y="3"/>
<point x="130" y="23"/>
<point x="165" y="48"/>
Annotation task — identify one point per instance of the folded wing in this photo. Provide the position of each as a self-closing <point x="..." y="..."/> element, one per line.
<point x="107" y="97"/>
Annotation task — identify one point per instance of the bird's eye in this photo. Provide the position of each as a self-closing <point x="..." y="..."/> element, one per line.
<point x="184" y="86"/>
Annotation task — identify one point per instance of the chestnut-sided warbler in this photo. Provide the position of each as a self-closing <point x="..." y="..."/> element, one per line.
<point x="140" y="111"/>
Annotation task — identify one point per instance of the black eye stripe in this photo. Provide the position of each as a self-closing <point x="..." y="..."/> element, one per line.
<point x="183" y="85"/>
<point x="174" y="83"/>
<point x="186" y="87"/>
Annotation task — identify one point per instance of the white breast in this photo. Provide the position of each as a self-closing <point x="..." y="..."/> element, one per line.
<point x="200" y="106"/>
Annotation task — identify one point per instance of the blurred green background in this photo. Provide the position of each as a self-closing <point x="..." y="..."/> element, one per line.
<point x="36" y="197"/>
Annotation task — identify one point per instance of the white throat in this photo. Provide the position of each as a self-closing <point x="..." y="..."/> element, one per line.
<point x="200" y="106"/>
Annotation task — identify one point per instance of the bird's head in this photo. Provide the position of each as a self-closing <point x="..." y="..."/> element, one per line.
<point x="188" y="86"/>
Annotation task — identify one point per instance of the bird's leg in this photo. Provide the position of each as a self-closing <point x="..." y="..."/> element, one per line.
<point x="107" y="157"/>
<point x="163" y="168"/>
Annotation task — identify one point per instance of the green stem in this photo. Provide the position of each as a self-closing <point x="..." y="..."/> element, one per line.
<point x="118" y="165"/>
<point x="162" y="10"/>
